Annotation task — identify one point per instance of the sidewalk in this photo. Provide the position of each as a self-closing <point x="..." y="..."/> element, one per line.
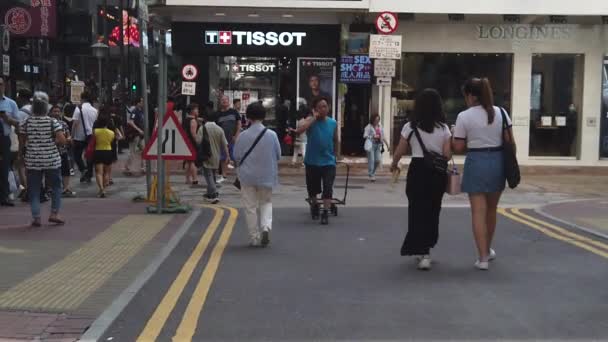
<point x="589" y="215"/>
<point x="55" y="280"/>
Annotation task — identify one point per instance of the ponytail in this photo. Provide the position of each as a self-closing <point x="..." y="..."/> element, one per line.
<point x="487" y="99"/>
<point x="482" y="90"/>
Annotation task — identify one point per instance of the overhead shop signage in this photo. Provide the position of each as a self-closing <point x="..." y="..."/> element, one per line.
<point x="228" y="39"/>
<point x="39" y="20"/>
<point x="355" y="69"/>
<point x="258" y="38"/>
<point x="525" y="32"/>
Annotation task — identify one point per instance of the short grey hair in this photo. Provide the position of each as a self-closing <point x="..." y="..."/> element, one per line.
<point x="40" y="103"/>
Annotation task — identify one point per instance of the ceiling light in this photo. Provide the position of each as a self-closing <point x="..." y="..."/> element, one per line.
<point x="253" y="15"/>
<point x="220" y="14"/>
<point x="287" y="15"/>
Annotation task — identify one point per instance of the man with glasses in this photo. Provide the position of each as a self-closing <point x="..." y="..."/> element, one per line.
<point x="9" y="116"/>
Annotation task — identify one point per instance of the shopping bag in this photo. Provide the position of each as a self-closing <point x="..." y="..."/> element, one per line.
<point x="90" y="150"/>
<point x="12" y="182"/>
<point x="454" y="181"/>
<point x="368" y="145"/>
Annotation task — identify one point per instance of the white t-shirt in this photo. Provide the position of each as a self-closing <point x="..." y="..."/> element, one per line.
<point x="472" y="125"/>
<point x="90" y="115"/>
<point x="432" y="141"/>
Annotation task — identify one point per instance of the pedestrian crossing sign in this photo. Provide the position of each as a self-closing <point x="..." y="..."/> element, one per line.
<point x="175" y="144"/>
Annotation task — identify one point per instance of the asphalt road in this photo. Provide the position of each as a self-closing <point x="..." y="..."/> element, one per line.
<point x="347" y="281"/>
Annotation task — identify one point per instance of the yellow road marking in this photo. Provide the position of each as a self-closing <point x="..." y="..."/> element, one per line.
<point x="187" y="327"/>
<point x="554" y="235"/>
<point x="6" y="250"/>
<point x="561" y="230"/>
<point x="66" y="284"/>
<point x="166" y="306"/>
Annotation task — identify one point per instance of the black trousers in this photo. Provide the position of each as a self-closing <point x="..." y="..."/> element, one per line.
<point x="424" y="190"/>
<point x="5" y="165"/>
<point x="86" y="169"/>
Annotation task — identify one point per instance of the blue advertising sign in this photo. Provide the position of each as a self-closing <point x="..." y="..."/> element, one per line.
<point x="355" y="69"/>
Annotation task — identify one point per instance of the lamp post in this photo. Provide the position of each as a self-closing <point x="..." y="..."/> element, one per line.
<point x="100" y="51"/>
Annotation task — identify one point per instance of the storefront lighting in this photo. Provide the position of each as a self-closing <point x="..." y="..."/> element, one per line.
<point x="253" y="15"/>
<point x="220" y="14"/>
<point x="287" y="15"/>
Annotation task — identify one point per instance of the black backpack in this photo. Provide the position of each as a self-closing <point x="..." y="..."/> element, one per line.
<point x="203" y="152"/>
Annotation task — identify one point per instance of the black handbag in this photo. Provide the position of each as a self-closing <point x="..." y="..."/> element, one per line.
<point x="510" y="164"/>
<point x="204" y="149"/>
<point x="237" y="182"/>
<point x="433" y="160"/>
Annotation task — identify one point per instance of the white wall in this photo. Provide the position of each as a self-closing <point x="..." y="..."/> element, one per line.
<point x="540" y="7"/>
<point x="587" y="40"/>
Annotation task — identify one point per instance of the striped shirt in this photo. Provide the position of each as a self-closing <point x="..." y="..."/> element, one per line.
<point x="41" y="152"/>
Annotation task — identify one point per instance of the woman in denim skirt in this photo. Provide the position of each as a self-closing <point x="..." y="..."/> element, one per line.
<point x="479" y="132"/>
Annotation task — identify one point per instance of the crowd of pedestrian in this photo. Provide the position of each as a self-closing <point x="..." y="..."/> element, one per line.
<point x="49" y="143"/>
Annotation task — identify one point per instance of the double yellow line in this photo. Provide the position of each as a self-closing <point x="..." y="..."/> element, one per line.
<point x="189" y="321"/>
<point x="556" y="232"/>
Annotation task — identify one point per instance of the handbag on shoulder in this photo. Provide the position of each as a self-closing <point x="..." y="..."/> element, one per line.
<point x="433" y="160"/>
<point x="510" y="164"/>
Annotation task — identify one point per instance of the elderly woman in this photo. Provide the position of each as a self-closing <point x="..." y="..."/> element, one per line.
<point x="40" y="135"/>
<point x="257" y="152"/>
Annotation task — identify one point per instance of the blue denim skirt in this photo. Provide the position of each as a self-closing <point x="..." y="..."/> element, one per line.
<point x="483" y="172"/>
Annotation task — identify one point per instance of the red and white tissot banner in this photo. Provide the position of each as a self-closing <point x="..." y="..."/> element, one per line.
<point x="36" y="21"/>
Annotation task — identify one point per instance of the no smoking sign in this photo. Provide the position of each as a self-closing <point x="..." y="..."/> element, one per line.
<point x="387" y="23"/>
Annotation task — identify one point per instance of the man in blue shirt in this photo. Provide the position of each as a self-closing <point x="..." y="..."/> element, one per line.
<point x="9" y="116"/>
<point x="320" y="159"/>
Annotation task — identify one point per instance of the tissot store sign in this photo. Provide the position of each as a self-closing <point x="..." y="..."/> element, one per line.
<point x="256" y="40"/>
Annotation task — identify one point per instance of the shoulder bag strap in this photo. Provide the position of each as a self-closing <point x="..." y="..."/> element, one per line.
<point x="257" y="140"/>
<point x="504" y="127"/>
<point x="84" y="126"/>
<point x="420" y="141"/>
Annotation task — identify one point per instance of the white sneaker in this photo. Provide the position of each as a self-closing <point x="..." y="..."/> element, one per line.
<point x="425" y="263"/>
<point x="482" y="265"/>
<point x="220" y="180"/>
<point x="492" y="255"/>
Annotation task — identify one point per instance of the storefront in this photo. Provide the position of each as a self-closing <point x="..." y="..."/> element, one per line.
<point x="549" y="77"/>
<point x="283" y="66"/>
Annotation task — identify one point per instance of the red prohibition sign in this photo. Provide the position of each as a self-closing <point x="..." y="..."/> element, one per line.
<point x="387" y="23"/>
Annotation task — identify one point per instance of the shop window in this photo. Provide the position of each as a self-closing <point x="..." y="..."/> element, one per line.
<point x="446" y="72"/>
<point x="556" y="98"/>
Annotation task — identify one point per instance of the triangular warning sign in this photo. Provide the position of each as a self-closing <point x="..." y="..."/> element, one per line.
<point x="176" y="145"/>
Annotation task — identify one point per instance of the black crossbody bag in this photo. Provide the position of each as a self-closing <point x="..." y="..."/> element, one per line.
<point x="237" y="182"/>
<point x="432" y="160"/>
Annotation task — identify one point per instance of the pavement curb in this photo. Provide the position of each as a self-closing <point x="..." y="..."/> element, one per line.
<point x="99" y="327"/>
<point x="591" y="231"/>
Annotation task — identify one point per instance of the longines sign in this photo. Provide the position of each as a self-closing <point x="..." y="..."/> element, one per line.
<point x="525" y="32"/>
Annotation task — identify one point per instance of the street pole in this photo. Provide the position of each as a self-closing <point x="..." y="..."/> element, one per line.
<point x="101" y="91"/>
<point x="162" y="89"/>
<point x="144" y="87"/>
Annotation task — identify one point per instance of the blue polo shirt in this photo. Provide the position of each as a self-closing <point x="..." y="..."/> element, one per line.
<point x="320" y="146"/>
<point x="12" y="111"/>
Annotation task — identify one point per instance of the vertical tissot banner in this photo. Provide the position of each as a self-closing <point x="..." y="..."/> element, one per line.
<point x="316" y="77"/>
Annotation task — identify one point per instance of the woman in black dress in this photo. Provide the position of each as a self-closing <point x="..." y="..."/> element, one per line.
<point x="425" y="133"/>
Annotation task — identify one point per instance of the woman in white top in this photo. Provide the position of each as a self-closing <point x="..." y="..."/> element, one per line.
<point x="299" y="146"/>
<point x="374" y="138"/>
<point x="425" y="185"/>
<point x="479" y="132"/>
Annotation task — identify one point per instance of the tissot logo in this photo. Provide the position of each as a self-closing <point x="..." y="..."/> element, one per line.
<point x="254" y="38"/>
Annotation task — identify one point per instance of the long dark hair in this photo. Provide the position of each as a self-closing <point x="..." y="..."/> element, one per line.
<point x="481" y="88"/>
<point x="428" y="111"/>
<point x="373" y="118"/>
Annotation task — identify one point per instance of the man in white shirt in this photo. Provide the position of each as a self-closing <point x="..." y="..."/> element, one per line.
<point x="82" y="129"/>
